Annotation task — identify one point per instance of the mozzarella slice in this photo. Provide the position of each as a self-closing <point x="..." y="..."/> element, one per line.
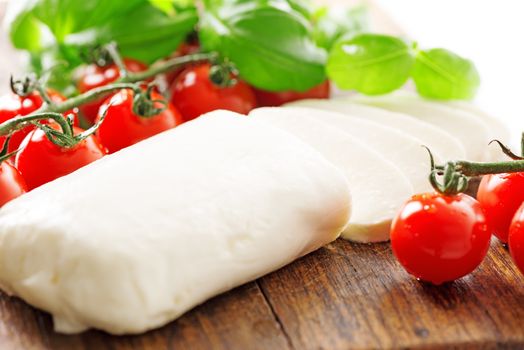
<point x="403" y="150"/>
<point x="472" y="132"/>
<point x="435" y="138"/>
<point x="497" y="129"/>
<point x="134" y="240"/>
<point x="378" y="187"/>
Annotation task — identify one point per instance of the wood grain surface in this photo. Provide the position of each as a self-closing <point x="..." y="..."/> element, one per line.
<point x="344" y="296"/>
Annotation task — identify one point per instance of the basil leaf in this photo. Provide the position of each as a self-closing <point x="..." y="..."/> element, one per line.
<point x="305" y="7"/>
<point x="154" y="34"/>
<point x="268" y="41"/>
<point x="64" y="17"/>
<point x="332" y="23"/>
<point x="37" y="25"/>
<point x="442" y="74"/>
<point x="370" y="63"/>
<point x="167" y="6"/>
<point x="25" y="31"/>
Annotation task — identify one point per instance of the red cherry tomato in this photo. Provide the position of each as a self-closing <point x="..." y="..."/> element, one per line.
<point x="94" y="76"/>
<point x="194" y="94"/>
<point x="122" y="128"/>
<point x="440" y="238"/>
<point x="12" y="183"/>
<point x="268" y="98"/>
<point x="12" y="105"/>
<point x="516" y="238"/>
<point x="500" y="196"/>
<point x="40" y="161"/>
<point x="183" y="50"/>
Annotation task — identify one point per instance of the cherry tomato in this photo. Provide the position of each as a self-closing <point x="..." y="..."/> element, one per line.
<point x="516" y="238"/>
<point x="40" y="161"/>
<point x="12" y="183"/>
<point x="94" y="76"/>
<point x="183" y="50"/>
<point x="268" y="98"/>
<point x="12" y="105"/>
<point x="194" y="94"/>
<point x="500" y="195"/>
<point x="122" y="128"/>
<point x="440" y="238"/>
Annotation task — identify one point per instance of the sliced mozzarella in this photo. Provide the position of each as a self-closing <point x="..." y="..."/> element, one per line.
<point x="497" y="129"/>
<point x="472" y="132"/>
<point x="378" y="187"/>
<point x="400" y="148"/>
<point x="435" y="138"/>
<point x="134" y="240"/>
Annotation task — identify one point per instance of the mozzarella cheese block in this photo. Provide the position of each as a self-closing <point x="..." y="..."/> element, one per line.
<point x="497" y="129"/>
<point x="435" y="138"/>
<point x="471" y="131"/>
<point x="403" y="150"/>
<point x="378" y="187"/>
<point x="136" y="239"/>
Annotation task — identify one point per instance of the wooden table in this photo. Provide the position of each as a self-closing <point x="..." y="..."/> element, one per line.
<point x="344" y="296"/>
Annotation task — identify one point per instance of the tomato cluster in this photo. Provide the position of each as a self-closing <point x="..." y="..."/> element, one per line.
<point x="439" y="238"/>
<point x="39" y="160"/>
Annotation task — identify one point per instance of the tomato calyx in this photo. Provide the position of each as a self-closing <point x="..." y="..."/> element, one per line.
<point x="453" y="182"/>
<point x="98" y="55"/>
<point x="223" y="73"/>
<point x="25" y="86"/>
<point x="144" y="105"/>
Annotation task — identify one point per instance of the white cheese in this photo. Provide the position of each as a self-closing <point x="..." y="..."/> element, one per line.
<point x="404" y="150"/>
<point x="433" y="137"/>
<point x="471" y="131"/>
<point x="136" y="239"/>
<point x="497" y="129"/>
<point x="378" y="188"/>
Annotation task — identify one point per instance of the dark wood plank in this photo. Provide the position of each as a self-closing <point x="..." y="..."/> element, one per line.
<point x="348" y="296"/>
<point x="240" y="319"/>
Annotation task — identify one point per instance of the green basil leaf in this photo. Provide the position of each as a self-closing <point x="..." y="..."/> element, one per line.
<point x="154" y="34"/>
<point x="64" y="17"/>
<point x="268" y="41"/>
<point x="332" y="23"/>
<point x="442" y="74"/>
<point x="370" y="63"/>
<point x="167" y="6"/>
<point x="37" y="25"/>
<point x="305" y="7"/>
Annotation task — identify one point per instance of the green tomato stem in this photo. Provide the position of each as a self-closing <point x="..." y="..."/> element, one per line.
<point x="454" y="176"/>
<point x="89" y="96"/>
<point x="12" y="125"/>
<point x="167" y="66"/>
<point x="522" y="144"/>
<point x="117" y="59"/>
<point x="43" y="93"/>
<point x="477" y="169"/>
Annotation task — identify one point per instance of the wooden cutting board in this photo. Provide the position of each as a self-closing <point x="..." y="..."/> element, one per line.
<point x="344" y="296"/>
